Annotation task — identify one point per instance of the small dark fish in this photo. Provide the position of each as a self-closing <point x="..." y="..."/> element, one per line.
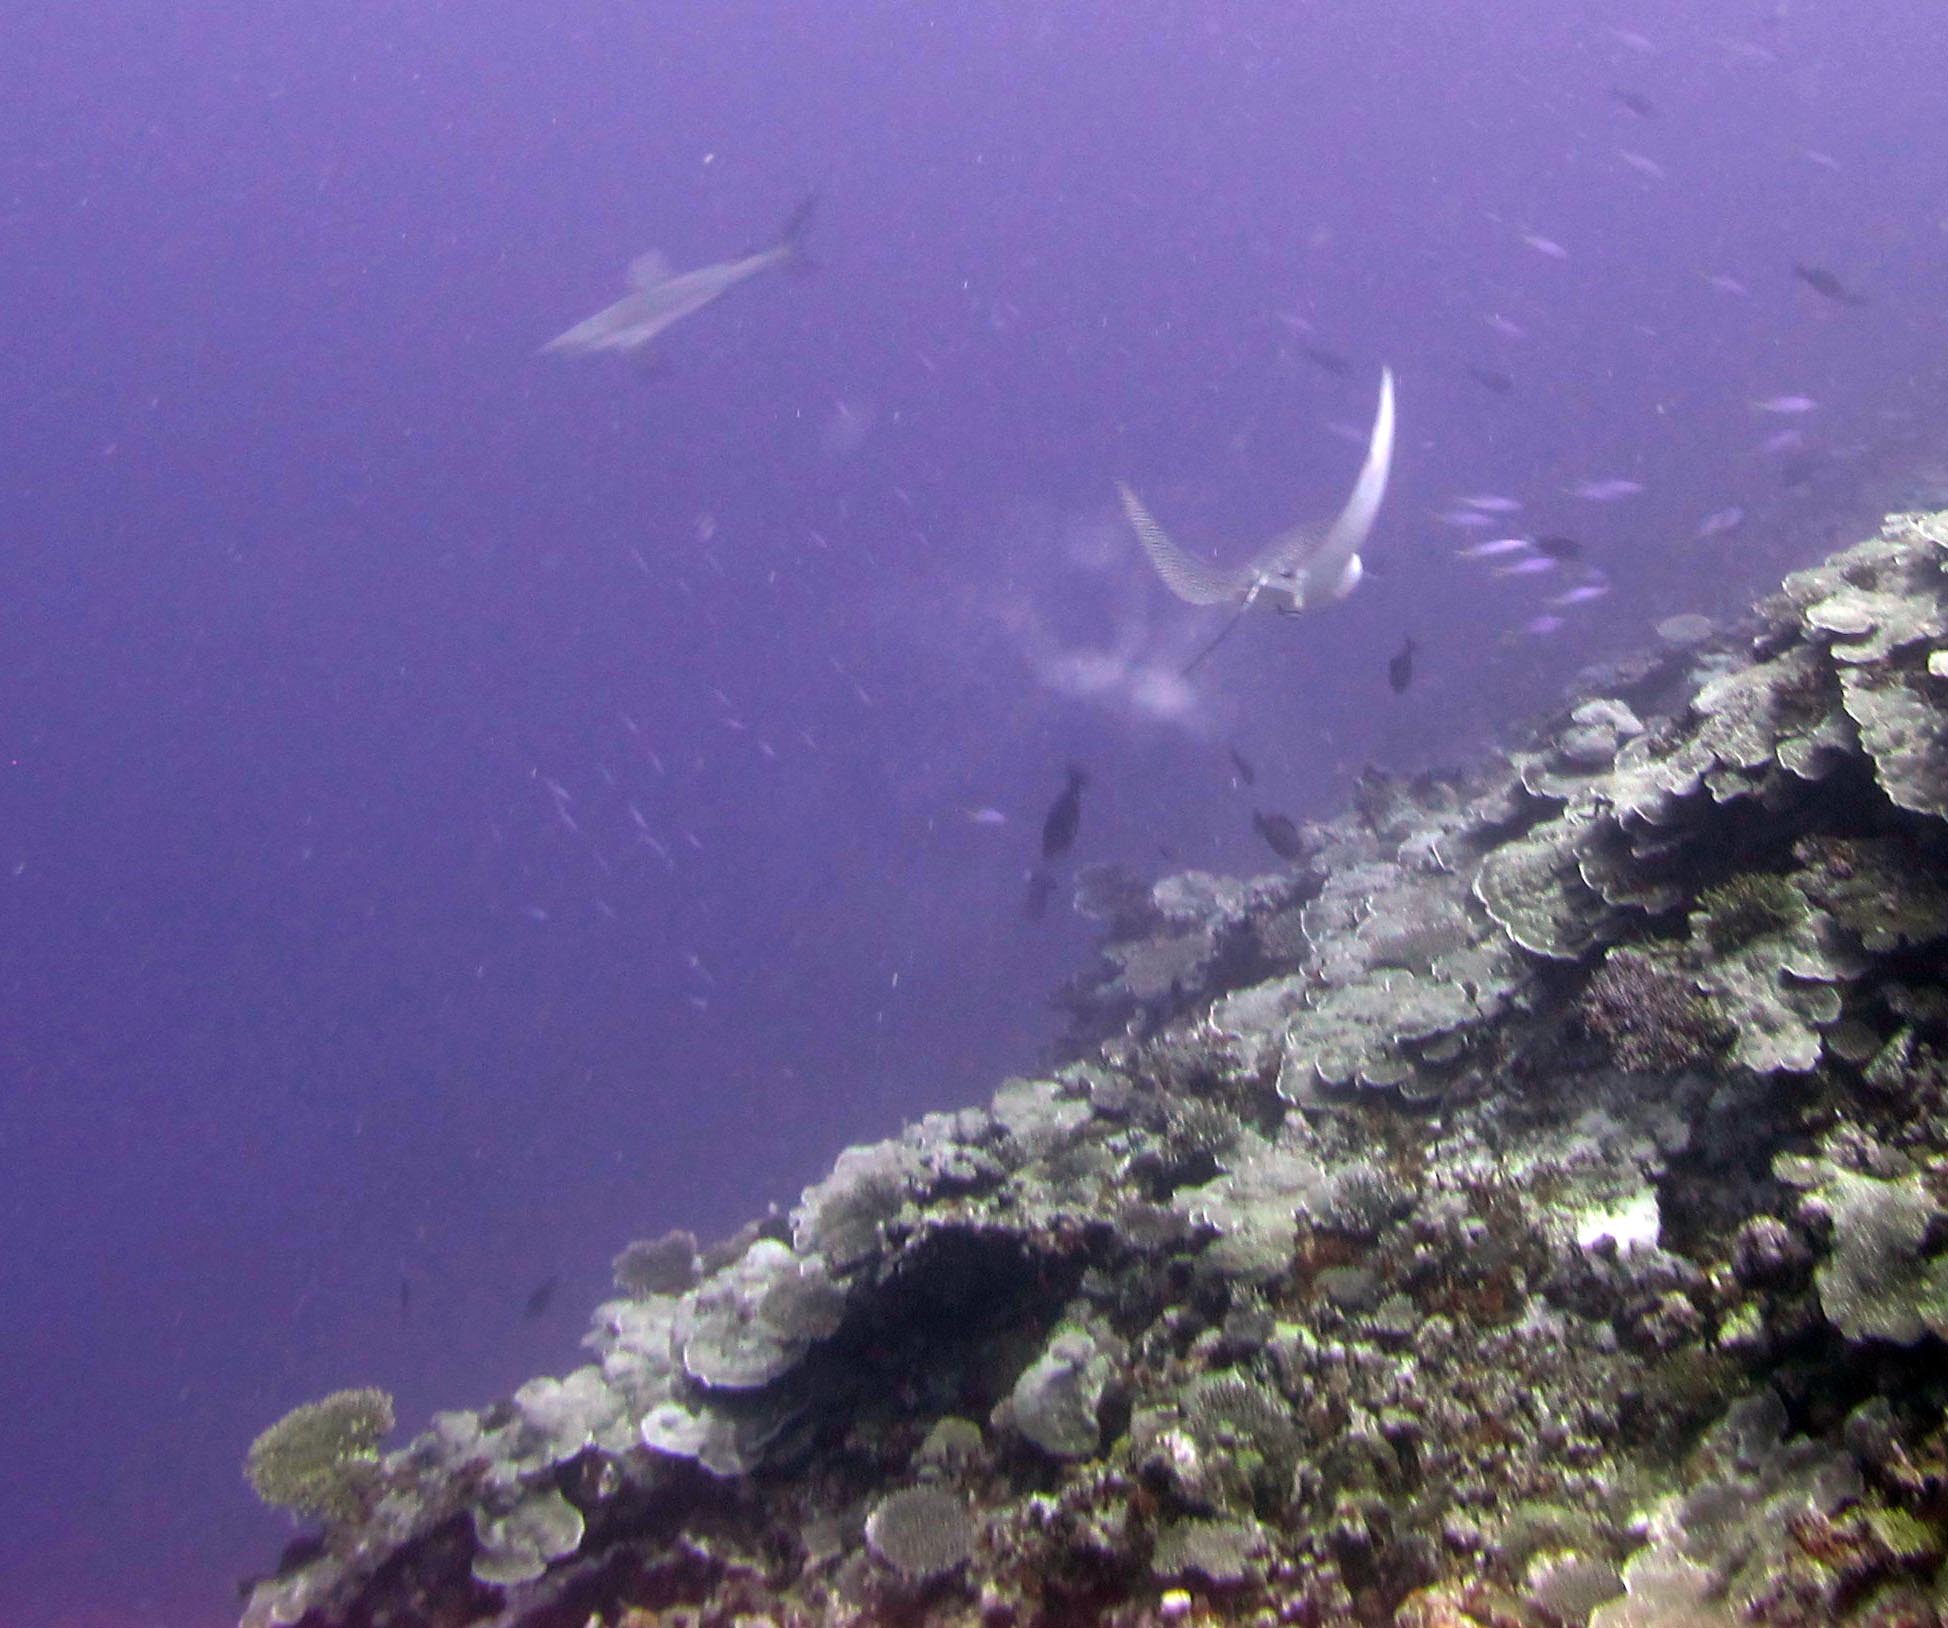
<point x="1041" y="888"/>
<point x="1638" y="103"/>
<point x="543" y="1297"/>
<point x="1492" y="379"/>
<point x="1330" y="360"/>
<point x="1242" y="764"/>
<point x="1400" y="671"/>
<point x="1064" y="815"/>
<point x="1821" y="281"/>
<point x="1558" y="548"/>
<point x="405" y="1296"/>
<point x="1280" y="835"/>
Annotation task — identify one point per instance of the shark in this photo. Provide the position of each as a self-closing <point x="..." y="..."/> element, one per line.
<point x="1301" y="569"/>
<point x="660" y="296"/>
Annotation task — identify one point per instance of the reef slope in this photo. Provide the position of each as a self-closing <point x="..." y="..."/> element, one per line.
<point x="1528" y="1209"/>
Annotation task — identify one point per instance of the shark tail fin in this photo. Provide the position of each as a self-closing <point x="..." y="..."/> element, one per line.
<point x="790" y="241"/>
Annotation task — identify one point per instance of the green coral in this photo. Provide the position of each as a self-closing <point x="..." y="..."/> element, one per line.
<point x="317" y="1460"/>
<point x="1748" y="907"/>
<point x="1881" y="1282"/>
<point x="1236" y="1419"/>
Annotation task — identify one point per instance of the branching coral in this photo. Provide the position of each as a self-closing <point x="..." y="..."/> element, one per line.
<point x="1653" y="1021"/>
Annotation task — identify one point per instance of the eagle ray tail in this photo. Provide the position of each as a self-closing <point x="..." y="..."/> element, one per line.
<point x="1224" y="632"/>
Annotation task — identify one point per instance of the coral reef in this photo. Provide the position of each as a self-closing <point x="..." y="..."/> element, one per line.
<point x="1529" y="1208"/>
<point x="1748" y="907"/>
<point x="316" y="1460"/>
<point x="1654" y="1020"/>
<point x="921" y="1532"/>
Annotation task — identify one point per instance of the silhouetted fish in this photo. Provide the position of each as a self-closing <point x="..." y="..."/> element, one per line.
<point x="1064" y="815"/>
<point x="543" y="1297"/>
<point x="1242" y="764"/>
<point x="1492" y="379"/>
<point x="1638" y="104"/>
<point x="1330" y="360"/>
<point x="1400" y="670"/>
<point x="1280" y="835"/>
<point x="1041" y="888"/>
<point x="405" y="1296"/>
<point x="1558" y="548"/>
<point x="1822" y="281"/>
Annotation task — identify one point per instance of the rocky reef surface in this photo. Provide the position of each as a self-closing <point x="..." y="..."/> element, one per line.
<point x="1528" y="1209"/>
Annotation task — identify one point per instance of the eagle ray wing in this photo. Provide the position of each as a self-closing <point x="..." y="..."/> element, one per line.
<point x="1191" y="580"/>
<point x="1327" y="570"/>
<point x="1288" y="551"/>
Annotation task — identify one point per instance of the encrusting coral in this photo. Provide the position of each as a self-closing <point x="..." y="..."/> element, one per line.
<point x="1528" y="1208"/>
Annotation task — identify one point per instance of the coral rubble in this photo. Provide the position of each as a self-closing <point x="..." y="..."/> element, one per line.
<point x="1529" y="1208"/>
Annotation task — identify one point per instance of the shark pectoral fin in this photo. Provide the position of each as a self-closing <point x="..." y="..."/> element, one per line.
<point x="1334" y="570"/>
<point x="650" y="268"/>
<point x="1190" y="580"/>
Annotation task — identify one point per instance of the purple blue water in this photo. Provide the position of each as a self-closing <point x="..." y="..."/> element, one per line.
<point x="345" y="1002"/>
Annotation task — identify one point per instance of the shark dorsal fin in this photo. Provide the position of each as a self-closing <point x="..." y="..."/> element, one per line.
<point x="649" y="268"/>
